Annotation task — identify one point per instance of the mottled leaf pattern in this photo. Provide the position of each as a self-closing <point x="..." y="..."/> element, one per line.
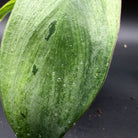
<point x="54" y="59"/>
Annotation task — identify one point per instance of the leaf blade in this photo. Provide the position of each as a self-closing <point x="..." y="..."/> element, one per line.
<point x="7" y="8"/>
<point x="57" y="63"/>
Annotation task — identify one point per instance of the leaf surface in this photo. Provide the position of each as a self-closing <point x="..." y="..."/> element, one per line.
<point x="6" y="9"/>
<point x="54" y="59"/>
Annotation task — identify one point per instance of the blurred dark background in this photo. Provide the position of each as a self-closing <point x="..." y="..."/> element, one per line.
<point x="114" y="113"/>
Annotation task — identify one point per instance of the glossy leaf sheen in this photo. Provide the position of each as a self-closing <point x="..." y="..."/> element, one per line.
<point x="6" y="9"/>
<point x="54" y="58"/>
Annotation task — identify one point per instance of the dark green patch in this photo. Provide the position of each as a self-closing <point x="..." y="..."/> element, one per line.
<point x="34" y="69"/>
<point x="23" y="115"/>
<point x="52" y="28"/>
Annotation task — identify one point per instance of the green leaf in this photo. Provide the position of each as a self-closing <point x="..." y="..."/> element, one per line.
<point x="55" y="56"/>
<point x="6" y="9"/>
